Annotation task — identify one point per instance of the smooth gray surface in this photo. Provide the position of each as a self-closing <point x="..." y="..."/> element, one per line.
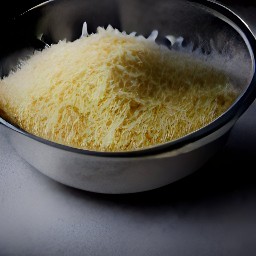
<point x="212" y="212"/>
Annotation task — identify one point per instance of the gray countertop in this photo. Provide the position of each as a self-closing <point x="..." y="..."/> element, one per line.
<point x="211" y="212"/>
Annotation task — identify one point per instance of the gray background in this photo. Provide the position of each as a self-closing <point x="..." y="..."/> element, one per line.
<point x="212" y="212"/>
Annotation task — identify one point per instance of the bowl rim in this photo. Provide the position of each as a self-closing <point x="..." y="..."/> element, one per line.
<point x="241" y="104"/>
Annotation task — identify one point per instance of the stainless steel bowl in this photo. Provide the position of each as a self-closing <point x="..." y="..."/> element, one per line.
<point x="205" y="27"/>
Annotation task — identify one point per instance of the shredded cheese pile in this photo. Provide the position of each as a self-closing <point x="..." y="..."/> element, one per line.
<point x="112" y="91"/>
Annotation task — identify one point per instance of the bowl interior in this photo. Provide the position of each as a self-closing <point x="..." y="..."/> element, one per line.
<point x="204" y="29"/>
<point x="196" y="28"/>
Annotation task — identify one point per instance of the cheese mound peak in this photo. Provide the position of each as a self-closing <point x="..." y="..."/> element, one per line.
<point x="112" y="91"/>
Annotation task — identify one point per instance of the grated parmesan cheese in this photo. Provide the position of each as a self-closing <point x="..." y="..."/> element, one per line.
<point x="112" y="91"/>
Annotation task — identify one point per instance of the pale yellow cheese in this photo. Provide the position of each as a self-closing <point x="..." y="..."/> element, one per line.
<point x="110" y="91"/>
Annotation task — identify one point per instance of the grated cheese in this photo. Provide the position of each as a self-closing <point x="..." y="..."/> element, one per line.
<point x="112" y="91"/>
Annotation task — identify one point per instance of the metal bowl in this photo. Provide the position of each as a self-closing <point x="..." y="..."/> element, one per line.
<point x="204" y="26"/>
